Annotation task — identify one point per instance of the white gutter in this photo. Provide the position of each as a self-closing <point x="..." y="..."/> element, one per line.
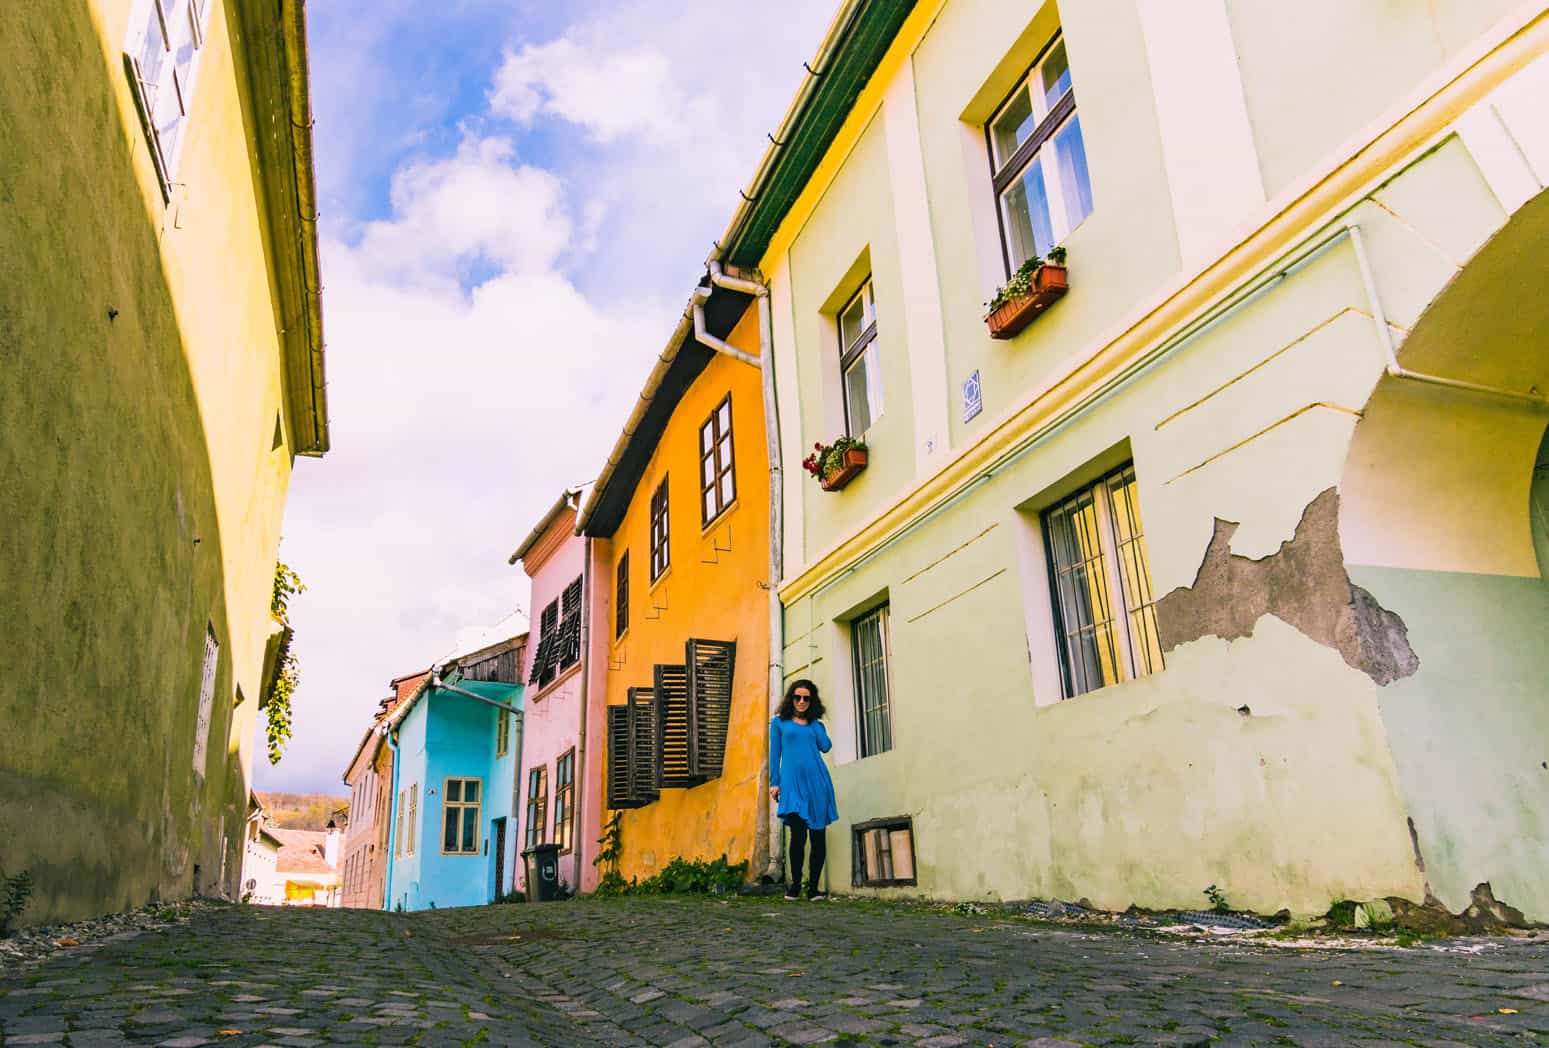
<point x="816" y="70"/>
<point x="653" y="383"/>
<point x="768" y="830"/>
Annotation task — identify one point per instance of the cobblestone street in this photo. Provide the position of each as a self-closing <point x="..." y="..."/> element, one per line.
<point x="752" y="972"/>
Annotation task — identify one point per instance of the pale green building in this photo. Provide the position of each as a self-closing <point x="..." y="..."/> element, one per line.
<point x="1229" y="568"/>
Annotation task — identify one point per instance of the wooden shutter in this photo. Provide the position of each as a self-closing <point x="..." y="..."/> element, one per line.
<point x="642" y="745"/>
<point x="710" y="664"/>
<point x="619" y="793"/>
<point x="672" y="729"/>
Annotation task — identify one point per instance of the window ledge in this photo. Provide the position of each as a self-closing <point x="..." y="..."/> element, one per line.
<point x="719" y="518"/>
<point x="564" y="675"/>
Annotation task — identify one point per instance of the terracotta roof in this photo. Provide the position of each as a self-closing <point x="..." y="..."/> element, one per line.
<point x="301" y="851"/>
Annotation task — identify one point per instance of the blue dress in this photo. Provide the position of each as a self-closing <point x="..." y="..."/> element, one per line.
<point x="795" y="765"/>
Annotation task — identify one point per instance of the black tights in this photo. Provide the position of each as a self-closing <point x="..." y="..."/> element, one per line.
<point x="799" y="834"/>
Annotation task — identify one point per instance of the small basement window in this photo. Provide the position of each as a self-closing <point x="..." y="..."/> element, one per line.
<point x="883" y="853"/>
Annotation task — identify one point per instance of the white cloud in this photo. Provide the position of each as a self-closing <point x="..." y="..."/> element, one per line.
<point x="609" y="93"/>
<point x="475" y="206"/>
<point x="488" y="334"/>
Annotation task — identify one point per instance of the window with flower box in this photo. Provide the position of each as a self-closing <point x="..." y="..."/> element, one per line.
<point x="1042" y="188"/>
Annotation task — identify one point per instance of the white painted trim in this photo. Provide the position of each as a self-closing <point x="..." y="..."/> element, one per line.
<point x="1207" y="142"/>
<point x="1498" y="157"/>
<point x="923" y="332"/>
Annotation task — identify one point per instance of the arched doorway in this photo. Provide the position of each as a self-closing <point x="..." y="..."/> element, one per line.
<point x="1445" y="517"/>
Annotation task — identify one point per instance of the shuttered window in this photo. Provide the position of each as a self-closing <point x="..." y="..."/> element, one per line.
<point x="559" y="636"/>
<point x="873" y="682"/>
<point x="632" y="751"/>
<point x="1104" y="610"/>
<point x="710" y="664"/>
<point x="717" y="480"/>
<point x="660" y="555"/>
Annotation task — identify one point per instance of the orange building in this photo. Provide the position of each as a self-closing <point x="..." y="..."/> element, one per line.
<point x="680" y="527"/>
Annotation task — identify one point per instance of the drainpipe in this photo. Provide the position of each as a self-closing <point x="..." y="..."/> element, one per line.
<point x="392" y="825"/>
<point x="577" y="774"/>
<point x="1385" y="338"/>
<point x="768" y="842"/>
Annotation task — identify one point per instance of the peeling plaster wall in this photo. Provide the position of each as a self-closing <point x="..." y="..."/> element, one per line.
<point x="1259" y="520"/>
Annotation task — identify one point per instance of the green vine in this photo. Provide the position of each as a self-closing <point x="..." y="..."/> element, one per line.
<point x="14" y="893"/>
<point x="610" y="849"/>
<point x="287" y="671"/>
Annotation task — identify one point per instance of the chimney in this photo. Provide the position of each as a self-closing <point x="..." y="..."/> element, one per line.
<point x="331" y="844"/>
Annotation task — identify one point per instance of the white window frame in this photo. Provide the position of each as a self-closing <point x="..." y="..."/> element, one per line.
<point x="212" y="656"/>
<point x="1125" y="591"/>
<point x="1041" y="146"/>
<point x="860" y="351"/>
<point x="158" y="89"/>
<point x="460" y="806"/>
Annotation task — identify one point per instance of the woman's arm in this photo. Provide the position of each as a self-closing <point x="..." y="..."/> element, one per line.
<point x="824" y="743"/>
<point x="774" y="754"/>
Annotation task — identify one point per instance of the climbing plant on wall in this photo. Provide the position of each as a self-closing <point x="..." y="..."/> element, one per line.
<point x="287" y="672"/>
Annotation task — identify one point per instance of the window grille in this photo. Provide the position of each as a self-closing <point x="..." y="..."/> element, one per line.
<point x="1105" y="617"/>
<point x="869" y="640"/>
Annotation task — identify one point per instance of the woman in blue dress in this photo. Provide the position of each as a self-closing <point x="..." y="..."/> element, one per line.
<point x="799" y="781"/>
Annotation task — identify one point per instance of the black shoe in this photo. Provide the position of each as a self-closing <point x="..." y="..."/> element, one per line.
<point x="817" y="897"/>
<point x="792" y="894"/>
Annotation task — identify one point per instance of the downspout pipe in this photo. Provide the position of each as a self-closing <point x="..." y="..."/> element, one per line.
<point x="577" y="774"/>
<point x="1385" y="338"/>
<point x="767" y="839"/>
<point x="392" y="824"/>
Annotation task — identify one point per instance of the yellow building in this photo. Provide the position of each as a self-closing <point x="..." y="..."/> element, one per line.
<point x="680" y="526"/>
<point x="161" y="357"/>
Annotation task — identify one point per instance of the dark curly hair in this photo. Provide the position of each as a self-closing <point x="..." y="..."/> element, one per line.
<point x="788" y="706"/>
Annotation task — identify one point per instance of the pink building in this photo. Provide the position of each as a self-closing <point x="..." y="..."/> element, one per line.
<point x="559" y="790"/>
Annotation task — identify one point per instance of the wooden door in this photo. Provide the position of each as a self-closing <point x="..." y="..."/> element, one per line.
<point x="500" y="857"/>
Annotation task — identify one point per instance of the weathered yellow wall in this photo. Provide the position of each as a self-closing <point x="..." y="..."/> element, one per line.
<point x="711" y="590"/>
<point x="142" y="496"/>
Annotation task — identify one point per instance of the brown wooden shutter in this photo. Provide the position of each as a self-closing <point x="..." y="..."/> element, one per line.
<point x="618" y="758"/>
<point x="642" y="745"/>
<point x="710" y="664"/>
<point x="672" y="729"/>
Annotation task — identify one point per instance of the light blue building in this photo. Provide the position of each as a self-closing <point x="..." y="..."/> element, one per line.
<point x="457" y="744"/>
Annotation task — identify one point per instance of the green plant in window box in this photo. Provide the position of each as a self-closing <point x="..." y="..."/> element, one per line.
<point x="836" y="464"/>
<point x="1036" y="285"/>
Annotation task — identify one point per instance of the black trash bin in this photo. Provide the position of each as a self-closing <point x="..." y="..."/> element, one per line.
<point x="542" y="872"/>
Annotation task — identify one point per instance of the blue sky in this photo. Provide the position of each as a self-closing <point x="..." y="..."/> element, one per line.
<point x="516" y="199"/>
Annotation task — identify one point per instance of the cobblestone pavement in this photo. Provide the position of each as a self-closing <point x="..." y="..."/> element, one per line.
<point x="752" y="972"/>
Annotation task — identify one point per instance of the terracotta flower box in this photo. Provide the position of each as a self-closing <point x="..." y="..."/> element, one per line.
<point x="854" y="465"/>
<point x="1049" y="284"/>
